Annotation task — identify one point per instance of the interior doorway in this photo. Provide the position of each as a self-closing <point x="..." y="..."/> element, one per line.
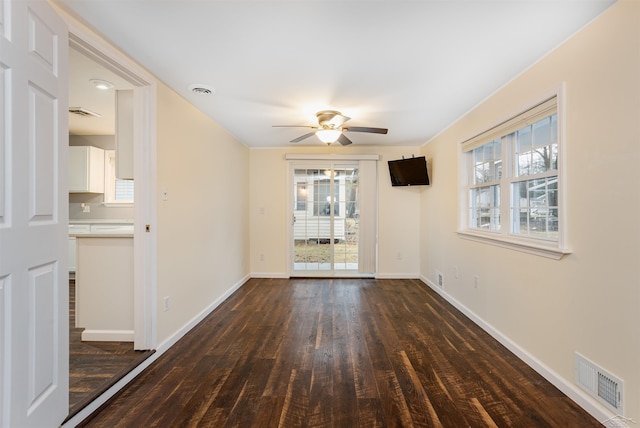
<point x="102" y="207"/>
<point x="142" y="84"/>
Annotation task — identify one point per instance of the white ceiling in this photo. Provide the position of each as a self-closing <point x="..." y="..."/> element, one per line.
<point x="411" y="66"/>
<point x="83" y="93"/>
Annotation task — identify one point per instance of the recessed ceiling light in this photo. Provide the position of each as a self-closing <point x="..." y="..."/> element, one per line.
<point x="200" y="89"/>
<point x="102" y="85"/>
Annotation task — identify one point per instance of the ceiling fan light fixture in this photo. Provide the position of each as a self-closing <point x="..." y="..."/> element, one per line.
<point x="328" y="136"/>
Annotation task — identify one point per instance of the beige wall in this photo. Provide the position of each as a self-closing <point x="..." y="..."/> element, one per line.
<point x="398" y="211"/>
<point x="203" y="227"/>
<point x="589" y="301"/>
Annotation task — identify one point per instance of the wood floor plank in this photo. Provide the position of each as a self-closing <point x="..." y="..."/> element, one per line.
<point x="339" y="353"/>
<point x="296" y="402"/>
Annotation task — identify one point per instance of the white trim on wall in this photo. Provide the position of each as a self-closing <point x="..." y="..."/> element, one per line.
<point x="329" y="157"/>
<point x="107" y="335"/>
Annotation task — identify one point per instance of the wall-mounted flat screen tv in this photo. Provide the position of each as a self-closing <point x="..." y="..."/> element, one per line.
<point x="409" y="172"/>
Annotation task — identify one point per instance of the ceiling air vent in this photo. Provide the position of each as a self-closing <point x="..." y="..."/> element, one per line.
<point x="199" y="89"/>
<point x="81" y="111"/>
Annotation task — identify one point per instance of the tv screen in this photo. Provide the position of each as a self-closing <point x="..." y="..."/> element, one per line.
<point x="409" y="172"/>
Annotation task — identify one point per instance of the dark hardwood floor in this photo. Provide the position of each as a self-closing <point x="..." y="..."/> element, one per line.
<point x="95" y="366"/>
<point x="339" y="353"/>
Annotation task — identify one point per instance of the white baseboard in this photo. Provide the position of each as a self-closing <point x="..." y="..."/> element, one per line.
<point x="270" y="275"/>
<point x="162" y="348"/>
<point x="376" y="276"/>
<point x="107" y="335"/>
<point x="397" y="276"/>
<point x="568" y="388"/>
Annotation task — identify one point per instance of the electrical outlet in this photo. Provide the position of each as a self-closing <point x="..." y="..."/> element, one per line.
<point x="261" y="257"/>
<point x="456" y="274"/>
<point x="398" y="255"/>
<point x="439" y="279"/>
<point x="165" y="303"/>
<point x="476" y="281"/>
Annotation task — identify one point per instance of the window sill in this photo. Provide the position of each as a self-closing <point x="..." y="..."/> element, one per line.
<point x="538" y="249"/>
<point x="118" y="204"/>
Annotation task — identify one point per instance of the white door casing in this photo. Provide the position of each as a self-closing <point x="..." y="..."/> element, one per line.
<point x="84" y="40"/>
<point x="34" y="326"/>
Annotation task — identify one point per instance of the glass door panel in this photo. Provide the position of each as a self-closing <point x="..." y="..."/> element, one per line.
<point x="325" y="220"/>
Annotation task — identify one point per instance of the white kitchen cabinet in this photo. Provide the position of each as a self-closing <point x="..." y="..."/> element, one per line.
<point x="124" y="134"/>
<point x="72" y="254"/>
<point x="86" y="169"/>
<point x="104" y="287"/>
<point x="73" y="229"/>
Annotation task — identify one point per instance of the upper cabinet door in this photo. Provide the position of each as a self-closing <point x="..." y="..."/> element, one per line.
<point x="124" y="134"/>
<point x="34" y="316"/>
<point x="86" y="169"/>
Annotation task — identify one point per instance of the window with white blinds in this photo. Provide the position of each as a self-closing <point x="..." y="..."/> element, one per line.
<point x="511" y="179"/>
<point x="116" y="191"/>
<point x="123" y="190"/>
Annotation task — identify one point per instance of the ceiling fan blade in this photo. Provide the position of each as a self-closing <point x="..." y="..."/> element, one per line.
<point x="342" y="139"/>
<point x="302" y="137"/>
<point x="366" y="129"/>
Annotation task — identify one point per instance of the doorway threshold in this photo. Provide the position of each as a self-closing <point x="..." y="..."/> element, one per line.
<point x="82" y="400"/>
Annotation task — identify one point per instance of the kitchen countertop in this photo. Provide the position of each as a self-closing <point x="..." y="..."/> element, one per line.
<point x="101" y="221"/>
<point x="101" y="235"/>
<point x="101" y="229"/>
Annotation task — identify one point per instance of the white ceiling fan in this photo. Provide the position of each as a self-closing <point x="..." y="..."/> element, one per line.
<point x="330" y="128"/>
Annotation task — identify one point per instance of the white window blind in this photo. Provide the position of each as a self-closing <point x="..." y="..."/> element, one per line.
<point x="124" y="190"/>
<point x="544" y="109"/>
<point x="117" y="191"/>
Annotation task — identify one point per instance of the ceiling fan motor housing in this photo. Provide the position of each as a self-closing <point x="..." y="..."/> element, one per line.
<point x="330" y="119"/>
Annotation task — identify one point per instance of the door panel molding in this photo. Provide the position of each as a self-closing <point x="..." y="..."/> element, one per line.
<point x="4" y="159"/>
<point x="43" y="337"/>
<point x="43" y="159"/>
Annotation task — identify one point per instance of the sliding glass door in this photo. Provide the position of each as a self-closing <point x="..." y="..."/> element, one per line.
<point x="325" y="219"/>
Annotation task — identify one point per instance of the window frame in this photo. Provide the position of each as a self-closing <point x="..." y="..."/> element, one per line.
<point x="543" y="106"/>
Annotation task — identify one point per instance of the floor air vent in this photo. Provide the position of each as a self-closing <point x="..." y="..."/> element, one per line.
<point x="602" y="385"/>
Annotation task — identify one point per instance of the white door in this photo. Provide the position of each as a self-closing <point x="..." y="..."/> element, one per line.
<point x="34" y="324"/>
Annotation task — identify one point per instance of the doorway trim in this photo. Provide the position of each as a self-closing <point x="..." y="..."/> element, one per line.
<point x="89" y="44"/>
